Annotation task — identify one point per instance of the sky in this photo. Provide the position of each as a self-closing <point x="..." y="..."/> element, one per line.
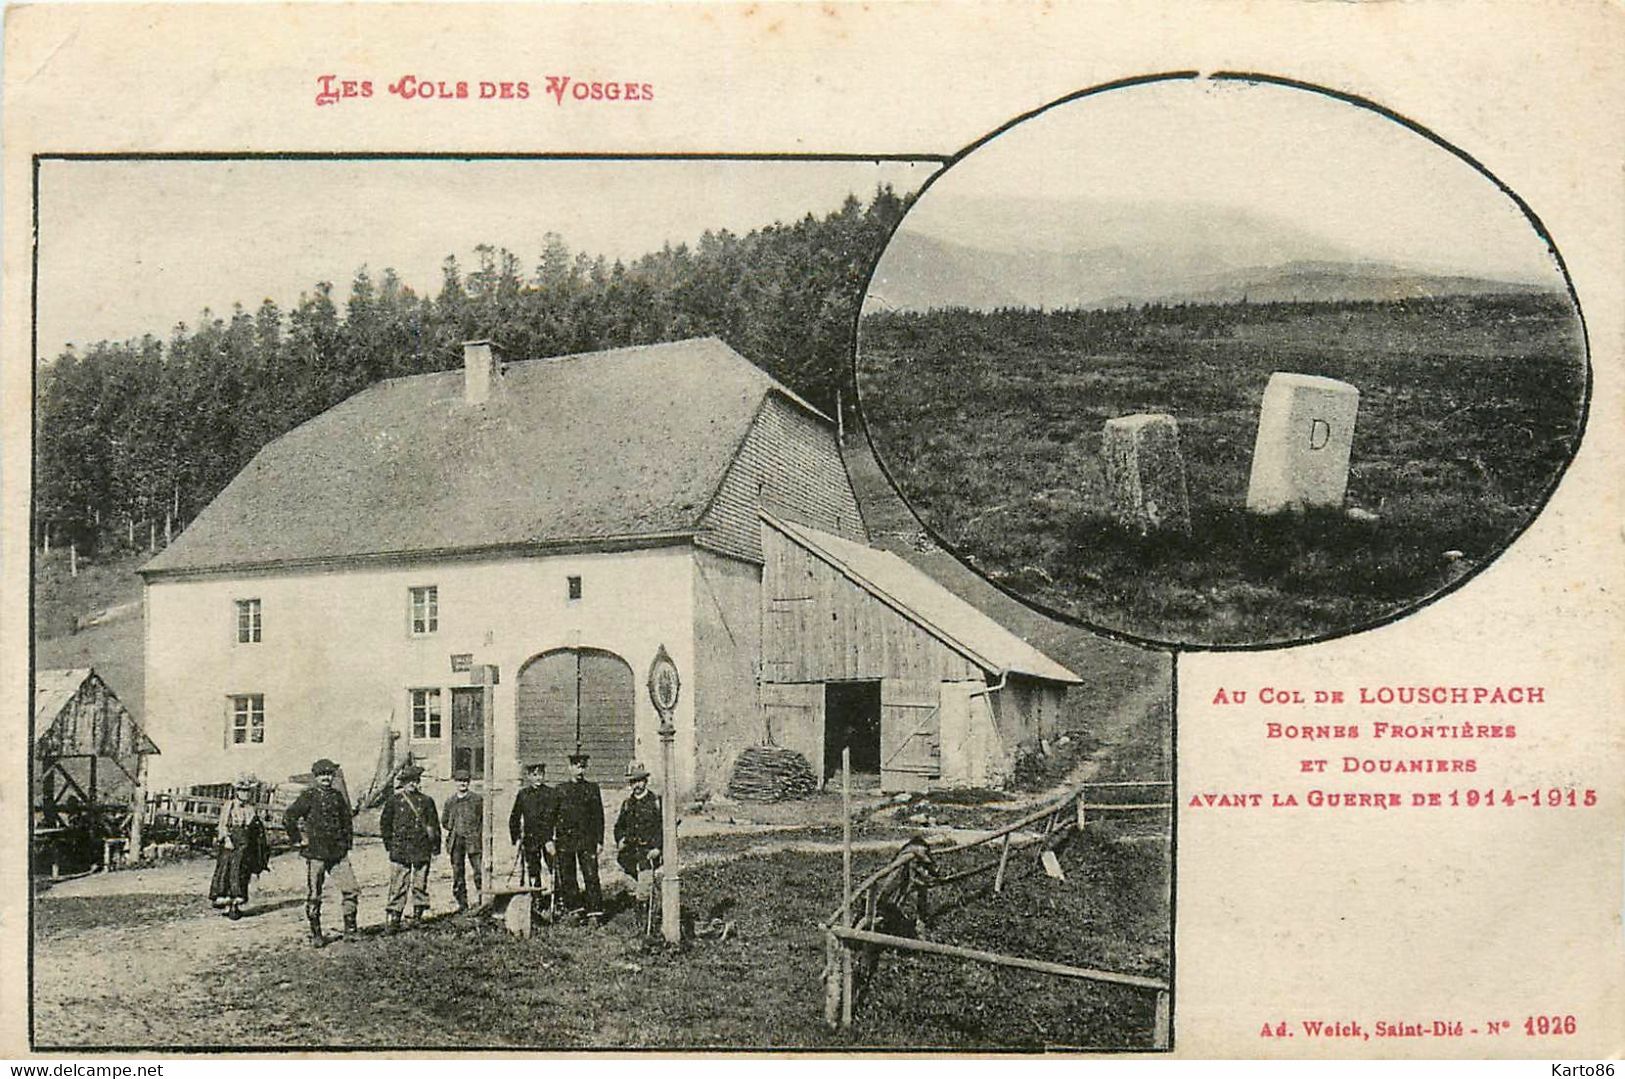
<point x="133" y="247"/>
<point x="1350" y="176"/>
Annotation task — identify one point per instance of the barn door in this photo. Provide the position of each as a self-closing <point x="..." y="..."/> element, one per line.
<point x="793" y="717"/>
<point x="545" y="712"/>
<point x="576" y="695"/>
<point x="910" y="734"/>
<point x="606" y="695"/>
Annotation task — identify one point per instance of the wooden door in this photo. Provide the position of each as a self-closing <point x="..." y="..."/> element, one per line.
<point x="577" y="696"/>
<point x="468" y="731"/>
<point x="545" y="712"/>
<point x="910" y="734"/>
<point x="606" y="698"/>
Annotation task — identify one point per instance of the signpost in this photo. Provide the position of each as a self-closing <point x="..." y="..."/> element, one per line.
<point x="664" y="687"/>
<point x="485" y="676"/>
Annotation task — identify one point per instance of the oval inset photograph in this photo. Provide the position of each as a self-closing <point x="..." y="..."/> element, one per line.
<point x="1221" y="363"/>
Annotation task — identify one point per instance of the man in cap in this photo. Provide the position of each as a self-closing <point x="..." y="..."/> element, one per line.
<point x="579" y="834"/>
<point x="318" y="823"/>
<point x="411" y="831"/>
<point x="463" y="819"/>
<point x="533" y="819"/>
<point x="637" y="830"/>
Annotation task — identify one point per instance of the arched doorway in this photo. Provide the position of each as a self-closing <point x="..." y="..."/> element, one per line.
<point x="573" y="695"/>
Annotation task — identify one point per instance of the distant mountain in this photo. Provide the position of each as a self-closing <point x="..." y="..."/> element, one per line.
<point x="984" y="254"/>
<point x="1353" y="281"/>
<point x="918" y="273"/>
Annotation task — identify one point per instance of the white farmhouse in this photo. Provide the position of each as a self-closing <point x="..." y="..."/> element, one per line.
<point x="563" y="519"/>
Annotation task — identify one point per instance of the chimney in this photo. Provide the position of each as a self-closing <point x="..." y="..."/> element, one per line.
<point x="482" y="371"/>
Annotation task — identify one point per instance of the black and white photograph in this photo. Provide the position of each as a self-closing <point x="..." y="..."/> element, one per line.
<point x="1222" y="362"/>
<point x="467" y="613"/>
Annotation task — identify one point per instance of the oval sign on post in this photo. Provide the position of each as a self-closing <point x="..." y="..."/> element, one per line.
<point x="664" y="685"/>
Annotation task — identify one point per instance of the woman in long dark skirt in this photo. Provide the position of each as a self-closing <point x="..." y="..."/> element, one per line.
<point x="241" y="849"/>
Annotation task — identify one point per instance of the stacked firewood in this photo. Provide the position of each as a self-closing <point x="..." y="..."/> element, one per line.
<point x="771" y="774"/>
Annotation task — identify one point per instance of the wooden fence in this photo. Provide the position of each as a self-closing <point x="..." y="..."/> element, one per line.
<point x="851" y="925"/>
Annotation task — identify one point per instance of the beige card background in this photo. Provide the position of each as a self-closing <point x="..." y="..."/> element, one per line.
<point x="1282" y="915"/>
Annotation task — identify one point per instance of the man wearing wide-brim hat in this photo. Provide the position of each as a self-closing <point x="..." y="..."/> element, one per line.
<point x="638" y="831"/>
<point x="319" y="824"/>
<point x="577" y="837"/>
<point x="410" y="827"/>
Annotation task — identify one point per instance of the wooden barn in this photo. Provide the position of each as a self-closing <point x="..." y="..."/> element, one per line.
<point x="861" y="649"/>
<point x="562" y="519"/>
<point x="89" y="759"/>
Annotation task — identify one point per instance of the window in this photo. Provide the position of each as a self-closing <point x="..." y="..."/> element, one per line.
<point x="248" y="621"/>
<point x="248" y="719"/>
<point x="425" y="714"/>
<point x="425" y="612"/>
<point x="573" y="585"/>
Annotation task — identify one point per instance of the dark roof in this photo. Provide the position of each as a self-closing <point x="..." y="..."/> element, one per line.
<point x="598" y="448"/>
<point x="928" y="604"/>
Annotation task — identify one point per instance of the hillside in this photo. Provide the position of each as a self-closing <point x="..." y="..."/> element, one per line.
<point x="991" y="425"/>
<point x="113" y="647"/>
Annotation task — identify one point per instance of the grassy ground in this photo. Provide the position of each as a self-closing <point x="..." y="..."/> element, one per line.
<point x="990" y="423"/>
<point x="457" y="982"/>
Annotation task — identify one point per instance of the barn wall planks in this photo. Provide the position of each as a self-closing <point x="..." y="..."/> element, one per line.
<point x="818" y="626"/>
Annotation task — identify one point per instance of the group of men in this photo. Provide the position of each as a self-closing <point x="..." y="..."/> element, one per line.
<point x="557" y="830"/>
<point x="560" y="830"/>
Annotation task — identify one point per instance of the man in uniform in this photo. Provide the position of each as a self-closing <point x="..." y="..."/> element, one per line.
<point x="579" y="834"/>
<point x="532" y="822"/>
<point x="463" y="819"/>
<point x="319" y="824"/>
<point x="411" y="831"/>
<point x="637" y="831"/>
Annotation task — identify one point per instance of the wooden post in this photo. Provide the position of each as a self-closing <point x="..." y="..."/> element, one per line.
<point x="1080" y="814"/>
<point x="846" y="835"/>
<point x="488" y="845"/>
<point x="73" y="559"/>
<point x="152" y="537"/>
<point x="832" y="981"/>
<point x="1160" y="1028"/>
<point x="1004" y="858"/>
<point x="846" y="882"/>
<point x="138" y="806"/>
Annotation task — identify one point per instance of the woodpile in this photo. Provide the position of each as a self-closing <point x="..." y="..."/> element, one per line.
<point x="771" y="774"/>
